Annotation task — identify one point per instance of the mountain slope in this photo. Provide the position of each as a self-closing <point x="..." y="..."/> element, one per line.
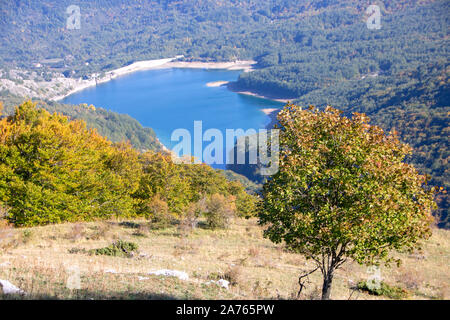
<point x="312" y="52"/>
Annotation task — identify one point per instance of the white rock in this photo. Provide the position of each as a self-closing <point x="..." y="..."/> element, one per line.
<point x="223" y="283"/>
<point x="110" y="271"/>
<point x="171" y="273"/>
<point x="8" y="288"/>
<point x="5" y="264"/>
<point x="142" y="278"/>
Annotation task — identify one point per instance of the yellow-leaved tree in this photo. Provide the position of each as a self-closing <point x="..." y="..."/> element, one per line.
<point x="54" y="170"/>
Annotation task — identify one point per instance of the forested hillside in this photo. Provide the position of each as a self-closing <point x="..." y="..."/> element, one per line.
<point x="116" y="127"/>
<point x="54" y="170"/>
<point x="299" y="42"/>
<point x="313" y="52"/>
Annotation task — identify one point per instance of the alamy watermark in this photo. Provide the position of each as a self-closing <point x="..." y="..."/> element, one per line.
<point x="374" y="20"/>
<point x="74" y="19"/>
<point x="259" y="147"/>
<point x="74" y="279"/>
<point x="374" y="278"/>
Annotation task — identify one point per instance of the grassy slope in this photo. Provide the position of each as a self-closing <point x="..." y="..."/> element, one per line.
<point x="36" y="260"/>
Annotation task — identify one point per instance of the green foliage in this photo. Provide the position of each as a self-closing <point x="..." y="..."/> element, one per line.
<point x="54" y="170"/>
<point x="343" y="191"/>
<point x="117" y="249"/>
<point x="383" y="290"/>
<point x="161" y="178"/>
<point x="219" y="210"/>
<point x="246" y="205"/>
<point x="116" y="127"/>
<point x="250" y="186"/>
<point x="179" y="185"/>
<point x="317" y="52"/>
<point x="414" y="102"/>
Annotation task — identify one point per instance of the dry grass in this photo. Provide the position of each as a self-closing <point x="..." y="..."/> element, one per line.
<point x="38" y="261"/>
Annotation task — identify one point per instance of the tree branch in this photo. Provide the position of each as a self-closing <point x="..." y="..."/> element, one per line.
<point x="302" y="282"/>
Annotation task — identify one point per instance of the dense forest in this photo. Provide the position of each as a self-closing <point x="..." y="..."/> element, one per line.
<point x="295" y="42"/>
<point x="116" y="127"/>
<point x="312" y="52"/>
<point x="55" y="170"/>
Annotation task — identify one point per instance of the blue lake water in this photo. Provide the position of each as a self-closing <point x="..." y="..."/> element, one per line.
<point x="168" y="99"/>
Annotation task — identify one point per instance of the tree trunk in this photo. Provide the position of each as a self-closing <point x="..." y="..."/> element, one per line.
<point x="326" y="288"/>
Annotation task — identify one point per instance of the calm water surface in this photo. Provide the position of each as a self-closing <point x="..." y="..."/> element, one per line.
<point x="168" y="99"/>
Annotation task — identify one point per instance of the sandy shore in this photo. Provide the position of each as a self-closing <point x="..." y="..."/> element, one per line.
<point x="78" y="85"/>
<point x="225" y="83"/>
<point x="245" y="65"/>
<point x="137" y="66"/>
<point x="60" y="87"/>
<point x="75" y="85"/>
<point x="269" y="111"/>
<point x="249" y="93"/>
<point x="217" y="83"/>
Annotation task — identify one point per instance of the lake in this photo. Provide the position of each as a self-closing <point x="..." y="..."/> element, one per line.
<point x="169" y="99"/>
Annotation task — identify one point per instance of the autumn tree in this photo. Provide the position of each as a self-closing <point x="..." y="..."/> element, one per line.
<point x="54" y="170"/>
<point x="163" y="179"/>
<point x="343" y="191"/>
<point x="180" y="185"/>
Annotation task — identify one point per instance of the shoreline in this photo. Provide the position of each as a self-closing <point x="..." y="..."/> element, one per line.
<point x="245" y="65"/>
<point x="110" y="75"/>
<point x="272" y="114"/>
<point x="270" y="111"/>
<point x="253" y="94"/>
<point x="230" y="86"/>
<point x="79" y="84"/>
<point x="217" y="84"/>
<point x="247" y="93"/>
<point x="168" y="63"/>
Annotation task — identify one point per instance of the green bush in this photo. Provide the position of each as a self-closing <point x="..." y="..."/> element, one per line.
<point x="246" y="205"/>
<point x="117" y="249"/>
<point x="219" y="210"/>
<point x="383" y="290"/>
